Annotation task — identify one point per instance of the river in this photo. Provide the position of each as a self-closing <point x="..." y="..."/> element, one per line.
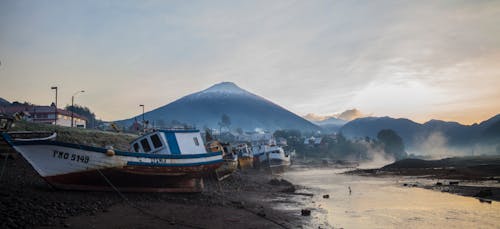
<point x="386" y="203"/>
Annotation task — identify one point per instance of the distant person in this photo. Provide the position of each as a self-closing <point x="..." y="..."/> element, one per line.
<point x="350" y="191"/>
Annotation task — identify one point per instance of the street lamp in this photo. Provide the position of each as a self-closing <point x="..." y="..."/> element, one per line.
<point x="55" y="112"/>
<point x="72" y="105"/>
<point x="143" y="122"/>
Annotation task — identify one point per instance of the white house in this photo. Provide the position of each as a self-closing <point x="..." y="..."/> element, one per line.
<point x="46" y="114"/>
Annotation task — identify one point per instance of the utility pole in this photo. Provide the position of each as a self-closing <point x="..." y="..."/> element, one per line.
<point x="143" y="120"/>
<point x="55" y="110"/>
<point x="72" y="105"/>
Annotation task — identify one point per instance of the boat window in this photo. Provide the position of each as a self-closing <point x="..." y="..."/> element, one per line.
<point x="136" y="147"/>
<point x="145" y="145"/>
<point x="156" y="141"/>
<point x="196" y="142"/>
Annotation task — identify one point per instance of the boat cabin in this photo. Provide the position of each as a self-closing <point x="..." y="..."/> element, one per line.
<point x="243" y="150"/>
<point x="5" y="122"/>
<point x="169" y="142"/>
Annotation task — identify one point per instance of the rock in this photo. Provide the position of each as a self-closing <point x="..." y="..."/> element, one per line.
<point x="261" y="213"/>
<point x="453" y="182"/>
<point x="326" y="196"/>
<point x="290" y="189"/>
<point x="305" y="212"/>
<point x="238" y="204"/>
<point x="280" y="182"/>
<point x="484" y="201"/>
<point x="484" y="193"/>
<point x="439" y="183"/>
<point x="405" y="184"/>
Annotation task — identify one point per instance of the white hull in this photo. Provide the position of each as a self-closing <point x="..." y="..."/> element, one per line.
<point x="272" y="157"/>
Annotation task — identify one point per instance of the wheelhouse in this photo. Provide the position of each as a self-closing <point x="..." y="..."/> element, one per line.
<point x="243" y="150"/>
<point x="169" y="142"/>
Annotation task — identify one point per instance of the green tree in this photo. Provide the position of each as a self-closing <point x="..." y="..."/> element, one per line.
<point x="393" y="143"/>
<point x="225" y="122"/>
<point x="92" y="122"/>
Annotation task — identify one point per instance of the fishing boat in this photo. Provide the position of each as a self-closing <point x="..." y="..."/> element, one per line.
<point x="271" y="156"/>
<point x="230" y="161"/>
<point x="159" y="161"/>
<point x="245" y="156"/>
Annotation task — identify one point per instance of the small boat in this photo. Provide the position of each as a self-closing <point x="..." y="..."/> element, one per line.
<point x="230" y="161"/>
<point x="159" y="161"/>
<point x="271" y="156"/>
<point x="245" y="156"/>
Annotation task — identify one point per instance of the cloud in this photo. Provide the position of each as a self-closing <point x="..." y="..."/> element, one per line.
<point x="307" y="56"/>
<point x="317" y="118"/>
<point x="351" y="114"/>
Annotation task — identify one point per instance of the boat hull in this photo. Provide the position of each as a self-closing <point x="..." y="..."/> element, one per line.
<point x="78" y="167"/>
<point x="227" y="168"/>
<point x="123" y="180"/>
<point x="245" y="162"/>
<point x="276" y="165"/>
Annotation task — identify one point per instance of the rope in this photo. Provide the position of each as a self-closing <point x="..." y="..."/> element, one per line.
<point x="4" y="165"/>
<point x="142" y="210"/>
<point x="171" y="221"/>
<point x="222" y="196"/>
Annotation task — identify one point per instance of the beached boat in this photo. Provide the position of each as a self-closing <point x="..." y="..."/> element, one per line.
<point x="245" y="156"/>
<point x="230" y="162"/>
<point x="160" y="161"/>
<point x="271" y="156"/>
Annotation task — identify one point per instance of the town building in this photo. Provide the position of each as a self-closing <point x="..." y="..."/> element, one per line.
<point x="44" y="114"/>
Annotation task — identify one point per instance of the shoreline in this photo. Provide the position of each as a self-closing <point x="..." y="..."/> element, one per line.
<point x="244" y="200"/>
<point x="451" y="180"/>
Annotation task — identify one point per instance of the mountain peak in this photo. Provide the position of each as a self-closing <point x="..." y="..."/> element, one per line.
<point x="246" y="110"/>
<point x="225" y="87"/>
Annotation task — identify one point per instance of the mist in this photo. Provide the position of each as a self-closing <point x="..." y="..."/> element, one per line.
<point x="376" y="157"/>
<point x="437" y="146"/>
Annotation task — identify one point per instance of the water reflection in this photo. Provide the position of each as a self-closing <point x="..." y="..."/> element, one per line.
<point x="383" y="203"/>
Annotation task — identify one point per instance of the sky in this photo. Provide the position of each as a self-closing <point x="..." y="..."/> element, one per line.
<point x="415" y="59"/>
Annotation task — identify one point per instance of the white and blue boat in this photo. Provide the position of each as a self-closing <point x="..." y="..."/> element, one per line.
<point x="271" y="156"/>
<point x="160" y="161"/>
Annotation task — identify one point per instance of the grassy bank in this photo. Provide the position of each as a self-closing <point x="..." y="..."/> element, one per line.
<point x="88" y="137"/>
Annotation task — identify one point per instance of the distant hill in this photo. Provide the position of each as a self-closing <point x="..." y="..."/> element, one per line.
<point x="4" y="102"/>
<point x="245" y="110"/>
<point x="331" y="125"/>
<point x="431" y="135"/>
<point x="370" y="126"/>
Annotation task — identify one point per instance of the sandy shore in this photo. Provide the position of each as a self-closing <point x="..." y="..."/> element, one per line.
<point x="245" y="200"/>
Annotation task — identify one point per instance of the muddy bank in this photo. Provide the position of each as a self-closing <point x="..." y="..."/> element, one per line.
<point x="241" y="201"/>
<point x="467" y="176"/>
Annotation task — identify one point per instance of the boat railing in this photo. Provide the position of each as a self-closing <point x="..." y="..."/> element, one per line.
<point x="32" y="135"/>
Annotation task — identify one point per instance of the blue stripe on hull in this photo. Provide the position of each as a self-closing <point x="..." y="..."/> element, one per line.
<point x="134" y="163"/>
